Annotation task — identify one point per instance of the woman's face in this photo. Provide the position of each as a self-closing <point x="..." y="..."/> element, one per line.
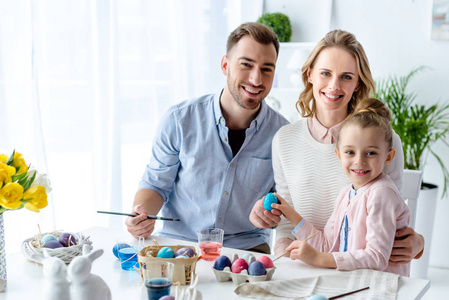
<point x="334" y="77"/>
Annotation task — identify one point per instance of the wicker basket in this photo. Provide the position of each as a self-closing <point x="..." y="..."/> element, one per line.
<point x="32" y="245"/>
<point x="184" y="267"/>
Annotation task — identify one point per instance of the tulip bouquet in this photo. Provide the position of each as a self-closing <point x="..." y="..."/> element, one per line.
<point x="21" y="185"/>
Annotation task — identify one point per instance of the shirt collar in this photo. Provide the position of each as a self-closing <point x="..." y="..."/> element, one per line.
<point x="256" y="123"/>
<point x="321" y="133"/>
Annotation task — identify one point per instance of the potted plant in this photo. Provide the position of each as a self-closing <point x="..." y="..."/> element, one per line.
<point x="419" y="126"/>
<point x="280" y="24"/>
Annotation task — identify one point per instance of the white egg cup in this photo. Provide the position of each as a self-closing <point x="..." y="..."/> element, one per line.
<point x="243" y="276"/>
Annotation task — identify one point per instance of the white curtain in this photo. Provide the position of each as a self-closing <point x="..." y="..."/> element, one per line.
<point x="82" y="87"/>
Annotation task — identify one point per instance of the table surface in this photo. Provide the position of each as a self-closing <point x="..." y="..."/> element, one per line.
<point x="25" y="278"/>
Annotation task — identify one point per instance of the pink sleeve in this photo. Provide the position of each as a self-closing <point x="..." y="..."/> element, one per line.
<point x="383" y="207"/>
<point x="325" y="240"/>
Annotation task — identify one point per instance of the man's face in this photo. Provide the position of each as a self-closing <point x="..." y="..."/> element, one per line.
<point x="249" y="68"/>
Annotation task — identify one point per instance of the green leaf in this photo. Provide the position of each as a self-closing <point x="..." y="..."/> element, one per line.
<point x="10" y="161"/>
<point x="28" y="183"/>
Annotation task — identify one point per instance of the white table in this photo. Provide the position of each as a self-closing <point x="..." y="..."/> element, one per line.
<point x="25" y="278"/>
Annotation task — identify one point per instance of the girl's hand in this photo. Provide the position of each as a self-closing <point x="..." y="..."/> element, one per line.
<point x="287" y="210"/>
<point x="303" y="251"/>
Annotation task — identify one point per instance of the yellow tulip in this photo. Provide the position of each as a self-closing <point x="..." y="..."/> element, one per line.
<point x="20" y="162"/>
<point x="10" y="195"/>
<point x="38" y="198"/>
<point x="3" y="158"/>
<point x="6" y="172"/>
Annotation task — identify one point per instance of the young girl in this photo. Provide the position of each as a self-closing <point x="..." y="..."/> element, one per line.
<point x="361" y="230"/>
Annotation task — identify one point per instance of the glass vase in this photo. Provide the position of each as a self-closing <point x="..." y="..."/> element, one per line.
<point x="2" y="255"/>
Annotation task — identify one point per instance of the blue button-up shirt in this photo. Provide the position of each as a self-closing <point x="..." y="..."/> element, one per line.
<point x="192" y="167"/>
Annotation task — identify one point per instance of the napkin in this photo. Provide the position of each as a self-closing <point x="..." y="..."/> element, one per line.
<point x="382" y="285"/>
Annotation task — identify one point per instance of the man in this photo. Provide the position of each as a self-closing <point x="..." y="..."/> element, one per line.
<point x="211" y="157"/>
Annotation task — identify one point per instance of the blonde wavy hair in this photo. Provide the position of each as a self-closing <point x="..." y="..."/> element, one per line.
<point x="344" y="40"/>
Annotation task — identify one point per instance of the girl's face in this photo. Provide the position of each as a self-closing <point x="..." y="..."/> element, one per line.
<point x="334" y="77"/>
<point x="363" y="153"/>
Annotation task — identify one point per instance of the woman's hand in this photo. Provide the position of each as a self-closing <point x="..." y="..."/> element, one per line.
<point x="262" y="218"/>
<point x="407" y="245"/>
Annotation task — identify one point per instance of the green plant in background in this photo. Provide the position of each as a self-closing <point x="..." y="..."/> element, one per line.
<point x="280" y="24"/>
<point x="419" y="126"/>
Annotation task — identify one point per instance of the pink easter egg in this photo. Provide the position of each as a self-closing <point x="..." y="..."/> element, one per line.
<point x="239" y="265"/>
<point x="267" y="262"/>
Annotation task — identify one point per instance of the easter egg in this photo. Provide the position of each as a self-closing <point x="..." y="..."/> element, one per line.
<point x="67" y="239"/>
<point x="167" y="298"/>
<point x="267" y="262"/>
<point x="166" y="252"/>
<point x="269" y="199"/>
<point x="48" y="237"/>
<point x="186" y="251"/>
<point x="222" y="262"/>
<point x="182" y="256"/>
<point x="316" y="297"/>
<point x="257" y="269"/>
<point x="53" y="244"/>
<point x="249" y="257"/>
<point x="239" y="265"/>
<point x="117" y="248"/>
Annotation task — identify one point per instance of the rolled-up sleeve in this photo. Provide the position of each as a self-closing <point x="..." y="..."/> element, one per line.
<point x="160" y="174"/>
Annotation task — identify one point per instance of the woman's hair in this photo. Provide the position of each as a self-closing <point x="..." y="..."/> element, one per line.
<point x="346" y="41"/>
<point x="370" y="112"/>
<point x="259" y="32"/>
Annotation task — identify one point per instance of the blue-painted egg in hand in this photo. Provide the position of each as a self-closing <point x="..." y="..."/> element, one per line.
<point x="117" y="248"/>
<point x="166" y="252"/>
<point x="257" y="269"/>
<point x="270" y="198"/>
<point x="222" y="262"/>
<point x="317" y="297"/>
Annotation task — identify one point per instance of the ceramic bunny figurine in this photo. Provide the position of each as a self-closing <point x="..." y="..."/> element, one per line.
<point x="56" y="286"/>
<point x="86" y="286"/>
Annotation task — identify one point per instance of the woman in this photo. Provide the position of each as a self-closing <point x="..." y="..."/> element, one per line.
<point x="307" y="173"/>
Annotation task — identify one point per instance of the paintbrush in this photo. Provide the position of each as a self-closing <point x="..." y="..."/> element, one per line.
<point x="135" y="215"/>
<point x="349" y="293"/>
<point x="288" y="251"/>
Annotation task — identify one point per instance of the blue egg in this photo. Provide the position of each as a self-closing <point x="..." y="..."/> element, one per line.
<point x="257" y="269"/>
<point x="117" y="248"/>
<point x="166" y="252"/>
<point x="316" y="297"/>
<point x="48" y="237"/>
<point x="222" y="262"/>
<point x="270" y="198"/>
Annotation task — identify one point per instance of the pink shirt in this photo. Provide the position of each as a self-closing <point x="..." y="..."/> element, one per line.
<point x="374" y="215"/>
<point x="320" y="133"/>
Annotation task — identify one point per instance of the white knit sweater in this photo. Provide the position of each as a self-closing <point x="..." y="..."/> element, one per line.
<point x="309" y="176"/>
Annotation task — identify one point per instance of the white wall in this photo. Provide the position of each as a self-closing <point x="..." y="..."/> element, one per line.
<point x="396" y="37"/>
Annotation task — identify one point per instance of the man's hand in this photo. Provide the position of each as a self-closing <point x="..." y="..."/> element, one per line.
<point x="140" y="225"/>
<point x="407" y="245"/>
<point x="262" y="218"/>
